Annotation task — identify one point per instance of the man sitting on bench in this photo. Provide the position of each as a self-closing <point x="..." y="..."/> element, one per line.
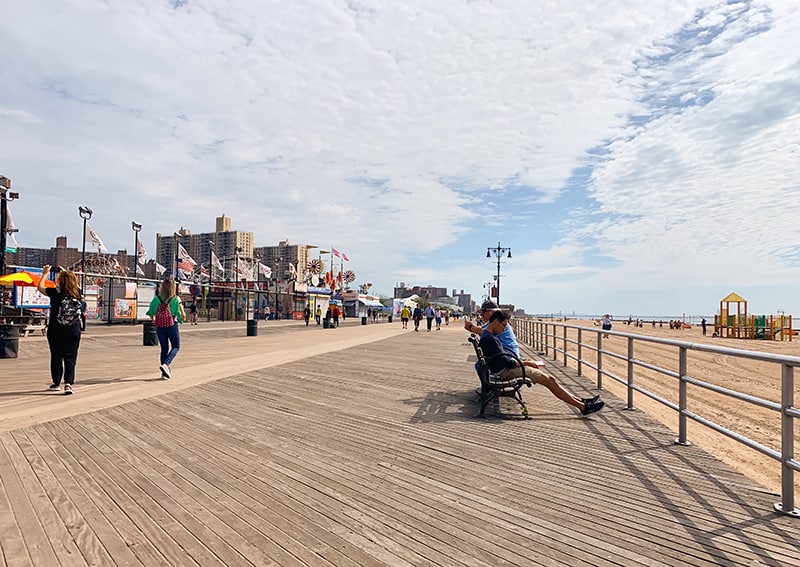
<point x="508" y="368"/>
<point x="507" y="338"/>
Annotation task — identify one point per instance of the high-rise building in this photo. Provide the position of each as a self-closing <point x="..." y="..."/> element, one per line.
<point x="279" y="257"/>
<point x="226" y="245"/>
<point x="223" y="223"/>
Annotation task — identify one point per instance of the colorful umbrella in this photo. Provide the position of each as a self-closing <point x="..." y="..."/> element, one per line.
<point x="24" y="279"/>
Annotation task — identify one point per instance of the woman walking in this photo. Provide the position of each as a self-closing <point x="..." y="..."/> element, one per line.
<point x="166" y="311"/>
<point x="64" y="327"/>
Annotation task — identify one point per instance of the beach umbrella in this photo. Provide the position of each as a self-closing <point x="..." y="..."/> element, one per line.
<point x="24" y="278"/>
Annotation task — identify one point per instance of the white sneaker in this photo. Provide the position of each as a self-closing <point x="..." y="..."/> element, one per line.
<point x="165" y="373"/>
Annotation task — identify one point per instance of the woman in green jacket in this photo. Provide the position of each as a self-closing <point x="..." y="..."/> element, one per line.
<point x="166" y="311"/>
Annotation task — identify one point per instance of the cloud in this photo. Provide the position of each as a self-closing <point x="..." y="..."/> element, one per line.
<point x="614" y="147"/>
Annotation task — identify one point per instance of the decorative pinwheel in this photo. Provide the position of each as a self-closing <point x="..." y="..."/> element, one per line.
<point x="349" y="276"/>
<point x="315" y="266"/>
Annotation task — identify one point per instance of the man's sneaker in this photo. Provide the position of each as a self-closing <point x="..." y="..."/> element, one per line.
<point x="165" y="374"/>
<point x="591" y="405"/>
<point x="67" y="389"/>
<point x="54" y="388"/>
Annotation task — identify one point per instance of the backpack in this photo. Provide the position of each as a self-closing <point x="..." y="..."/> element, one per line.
<point x="69" y="312"/>
<point x="163" y="316"/>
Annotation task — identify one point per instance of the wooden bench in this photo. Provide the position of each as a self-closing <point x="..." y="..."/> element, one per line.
<point x="492" y="386"/>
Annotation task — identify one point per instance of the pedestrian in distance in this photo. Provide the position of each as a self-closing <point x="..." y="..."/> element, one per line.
<point x="335" y="312"/>
<point x="417" y="317"/>
<point x="307" y="314"/>
<point x="405" y="314"/>
<point x="605" y="323"/>
<point x="509" y="368"/>
<point x="429" y="315"/>
<point x="318" y="315"/>
<point x="193" y="312"/>
<point x="438" y="315"/>
<point x="166" y="311"/>
<point x="704" y="325"/>
<point x="64" y="327"/>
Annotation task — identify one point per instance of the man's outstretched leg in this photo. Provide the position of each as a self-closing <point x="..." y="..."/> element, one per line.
<point x="585" y="406"/>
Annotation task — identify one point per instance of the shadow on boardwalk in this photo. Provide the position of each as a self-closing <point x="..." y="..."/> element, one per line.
<point x="371" y="455"/>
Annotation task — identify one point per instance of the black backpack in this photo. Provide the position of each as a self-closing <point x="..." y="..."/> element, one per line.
<point x="69" y="312"/>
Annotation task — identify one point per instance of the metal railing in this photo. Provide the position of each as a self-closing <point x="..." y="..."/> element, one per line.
<point x="569" y="342"/>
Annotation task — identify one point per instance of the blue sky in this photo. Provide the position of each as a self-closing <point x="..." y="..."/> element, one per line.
<point x="638" y="158"/>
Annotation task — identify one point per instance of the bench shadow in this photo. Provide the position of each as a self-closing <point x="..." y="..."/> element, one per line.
<point x="441" y="407"/>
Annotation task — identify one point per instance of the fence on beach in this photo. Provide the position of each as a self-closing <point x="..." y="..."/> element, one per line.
<point x="584" y="348"/>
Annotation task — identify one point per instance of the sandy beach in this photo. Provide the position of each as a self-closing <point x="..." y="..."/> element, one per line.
<point x="755" y="378"/>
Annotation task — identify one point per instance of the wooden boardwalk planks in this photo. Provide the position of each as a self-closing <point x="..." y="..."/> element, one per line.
<point x="371" y="455"/>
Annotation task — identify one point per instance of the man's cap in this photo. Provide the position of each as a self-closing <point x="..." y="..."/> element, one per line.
<point x="488" y="306"/>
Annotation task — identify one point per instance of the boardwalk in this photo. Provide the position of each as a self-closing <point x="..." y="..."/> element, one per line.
<point x="345" y="447"/>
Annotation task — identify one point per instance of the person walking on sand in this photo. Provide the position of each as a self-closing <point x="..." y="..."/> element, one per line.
<point x="704" y="325"/>
<point x="605" y="323"/>
<point x="166" y="311"/>
<point x="64" y="327"/>
<point x="508" y="367"/>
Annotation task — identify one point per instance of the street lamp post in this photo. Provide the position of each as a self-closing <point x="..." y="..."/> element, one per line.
<point x="210" y="278"/>
<point x="136" y="229"/>
<point x="236" y="251"/>
<point x="256" y="267"/>
<point x="276" y="272"/>
<point x="498" y="251"/>
<point x="5" y="196"/>
<point x="85" y="213"/>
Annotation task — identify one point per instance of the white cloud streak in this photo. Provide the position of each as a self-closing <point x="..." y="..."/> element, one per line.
<point x="384" y="127"/>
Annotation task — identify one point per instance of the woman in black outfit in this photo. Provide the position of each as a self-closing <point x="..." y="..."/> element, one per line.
<point x="63" y="337"/>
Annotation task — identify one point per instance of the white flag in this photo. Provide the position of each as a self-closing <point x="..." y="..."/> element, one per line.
<point x="292" y="270"/>
<point x="139" y="271"/>
<point x="92" y="237"/>
<point x="160" y="269"/>
<point x="247" y="271"/>
<point x="216" y="264"/>
<point x="141" y="252"/>
<point x="266" y="271"/>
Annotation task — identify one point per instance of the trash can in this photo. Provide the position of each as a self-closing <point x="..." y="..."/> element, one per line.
<point x="149" y="336"/>
<point x="9" y="341"/>
<point x="364" y="320"/>
<point x="390" y="318"/>
<point x="326" y="323"/>
<point x="252" y="327"/>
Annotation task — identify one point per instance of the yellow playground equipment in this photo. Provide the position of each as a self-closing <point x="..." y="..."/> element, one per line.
<point x="738" y="324"/>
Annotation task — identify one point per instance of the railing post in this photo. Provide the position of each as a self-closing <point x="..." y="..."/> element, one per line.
<point x="564" y="342"/>
<point x="786" y="505"/>
<point x="630" y="374"/>
<point x="599" y="360"/>
<point x="682" y="398"/>
<point x="580" y="352"/>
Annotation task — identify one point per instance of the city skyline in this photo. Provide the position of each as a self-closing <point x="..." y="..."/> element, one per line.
<point x="635" y="160"/>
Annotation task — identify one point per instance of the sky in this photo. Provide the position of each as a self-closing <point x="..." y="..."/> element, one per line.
<point x="636" y="157"/>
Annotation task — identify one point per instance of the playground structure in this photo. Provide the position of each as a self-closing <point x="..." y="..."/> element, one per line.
<point x="738" y="324"/>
